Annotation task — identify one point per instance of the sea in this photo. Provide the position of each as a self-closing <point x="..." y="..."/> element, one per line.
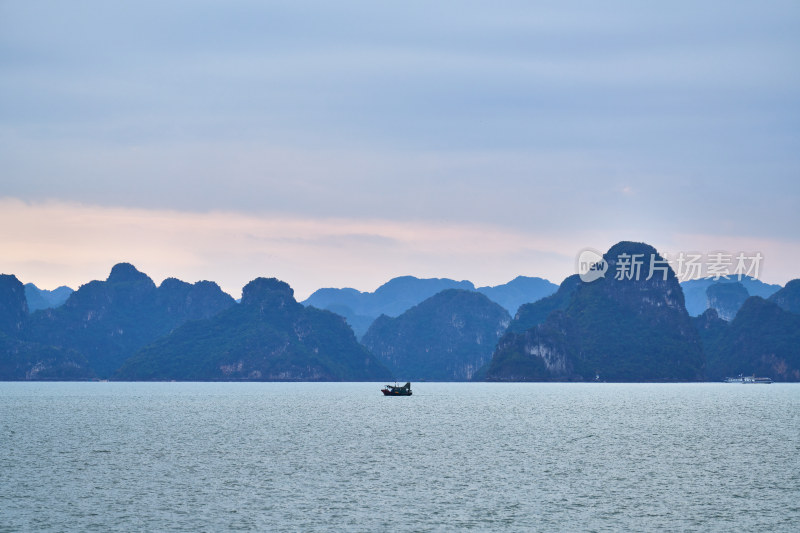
<point x="454" y="456"/>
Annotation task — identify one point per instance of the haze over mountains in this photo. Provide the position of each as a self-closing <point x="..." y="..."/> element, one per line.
<point x="126" y="327"/>
<point x="447" y="337"/>
<point x="44" y="299"/>
<point x="400" y="294"/>
<point x="697" y="298"/>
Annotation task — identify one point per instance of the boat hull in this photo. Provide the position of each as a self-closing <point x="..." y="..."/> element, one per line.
<point x="396" y="390"/>
<point x="387" y="392"/>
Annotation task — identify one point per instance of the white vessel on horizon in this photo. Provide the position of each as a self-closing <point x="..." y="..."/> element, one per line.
<point x="748" y="379"/>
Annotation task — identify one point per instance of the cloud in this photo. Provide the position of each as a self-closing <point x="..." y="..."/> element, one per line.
<point x="55" y="243"/>
<point x="556" y="190"/>
<point x="58" y="243"/>
<point x="410" y="76"/>
<point x="264" y="125"/>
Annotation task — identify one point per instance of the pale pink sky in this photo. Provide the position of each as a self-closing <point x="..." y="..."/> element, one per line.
<point x="345" y="143"/>
<point x="52" y="244"/>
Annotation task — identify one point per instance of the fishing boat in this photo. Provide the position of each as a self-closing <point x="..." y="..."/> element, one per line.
<point x="748" y="379"/>
<point x="396" y="390"/>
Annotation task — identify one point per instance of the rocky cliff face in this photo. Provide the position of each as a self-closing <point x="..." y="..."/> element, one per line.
<point x="726" y="298"/>
<point x="448" y="337"/>
<point x="627" y="326"/>
<point x="540" y="353"/>
<point x="268" y="337"/>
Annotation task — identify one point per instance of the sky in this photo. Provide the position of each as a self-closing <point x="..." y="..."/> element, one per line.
<point x="341" y="144"/>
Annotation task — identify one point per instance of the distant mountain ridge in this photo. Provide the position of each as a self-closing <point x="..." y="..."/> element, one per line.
<point x="45" y="299"/>
<point x="534" y="313"/>
<point x="726" y="298"/>
<point x="447" y="337"/>
<point x="400" y="294"/>
<point x="103" y="324"/>
<point x="519" y="291"/>
<point x="107" y="321"/>
<point x="25" y="360"/>
<point x="267" y="337"/>
<point x="763" y="339"/>
<point x="788" y="298"/>
<point x="696" y="296"/>
<point x="614" y="329"/>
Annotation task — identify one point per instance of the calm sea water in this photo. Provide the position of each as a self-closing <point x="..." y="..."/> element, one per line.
<point x="340" y="456"/>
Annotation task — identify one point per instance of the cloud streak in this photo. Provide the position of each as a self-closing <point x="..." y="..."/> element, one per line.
<point x="252" y="136"/>
<point x="232" y="248"/>
<point x="80" y="243"/>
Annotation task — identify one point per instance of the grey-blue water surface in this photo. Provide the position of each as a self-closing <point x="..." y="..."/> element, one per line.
<point x="340" y="456"/>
